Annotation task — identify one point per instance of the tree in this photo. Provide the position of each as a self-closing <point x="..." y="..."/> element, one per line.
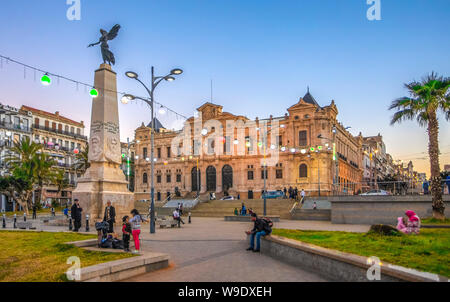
<point x="60" y="181"/>
<point x="82" y="160"/>
<point x="29" y="163"/>
<point x="427" y="99"/>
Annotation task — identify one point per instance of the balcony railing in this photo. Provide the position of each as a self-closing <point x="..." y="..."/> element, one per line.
<point x="14" y="126"/>
<point x="58" y="131"/>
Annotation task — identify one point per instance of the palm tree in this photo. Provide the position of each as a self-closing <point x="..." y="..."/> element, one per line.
<point x="32" y="165"/>
<point x="82" y="160"/>
<point x="60" y="181"/>
<point x="427" y="98"/>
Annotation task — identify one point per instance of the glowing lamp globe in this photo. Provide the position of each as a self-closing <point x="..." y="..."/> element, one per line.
<point x="93" y="93"/>
<point x="46" y="80"/>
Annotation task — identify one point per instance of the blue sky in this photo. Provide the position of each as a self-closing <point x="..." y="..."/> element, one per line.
<point x="261" y="56"/>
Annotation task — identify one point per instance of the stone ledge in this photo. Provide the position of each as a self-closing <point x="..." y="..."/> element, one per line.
<point x="119" y="269"/>
<point x="337" y="265"/>
<point x="274" y="218"/>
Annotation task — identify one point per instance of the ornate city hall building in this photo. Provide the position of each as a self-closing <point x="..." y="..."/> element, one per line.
<point x="220" y="152"/>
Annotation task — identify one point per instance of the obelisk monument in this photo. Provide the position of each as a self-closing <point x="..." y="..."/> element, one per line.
<point x="104" y="181"/>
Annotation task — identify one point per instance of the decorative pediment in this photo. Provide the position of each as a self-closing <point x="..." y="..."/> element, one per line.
<point x="210" y="110"/>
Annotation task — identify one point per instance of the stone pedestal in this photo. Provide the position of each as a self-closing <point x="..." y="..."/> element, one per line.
<point x="104" y="180"/>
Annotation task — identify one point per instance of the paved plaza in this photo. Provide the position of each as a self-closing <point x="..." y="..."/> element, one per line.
<point x="211" y="249"/>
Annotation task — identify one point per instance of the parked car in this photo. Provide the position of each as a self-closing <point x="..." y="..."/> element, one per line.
<point x="227" y="198"/>
<point x="273" y="194"/>
<point x="375" y="192"/>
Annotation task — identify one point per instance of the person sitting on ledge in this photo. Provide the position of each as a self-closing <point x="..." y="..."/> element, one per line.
<point x="236" y="212"/>
<point x="261" y="228"/>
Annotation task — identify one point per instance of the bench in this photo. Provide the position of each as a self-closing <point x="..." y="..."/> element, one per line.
<point x="166" y="222"/>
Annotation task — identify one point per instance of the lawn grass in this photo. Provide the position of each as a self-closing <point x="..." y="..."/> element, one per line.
<point x="42" y="256"/>
<point x="435" y="221"/>
<point x="429" y="251"/>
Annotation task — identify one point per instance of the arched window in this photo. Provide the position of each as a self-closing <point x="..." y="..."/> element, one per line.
<point x="303" y="171"/>
<point x="144" y="178"/>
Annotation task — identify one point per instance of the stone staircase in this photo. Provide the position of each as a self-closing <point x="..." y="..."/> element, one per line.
<point x="220" y="208"/>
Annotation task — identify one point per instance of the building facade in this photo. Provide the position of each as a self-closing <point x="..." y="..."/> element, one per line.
<point x="220" y="152"/>
<point x="15" y="125"/>
<point x="62" y="138"/>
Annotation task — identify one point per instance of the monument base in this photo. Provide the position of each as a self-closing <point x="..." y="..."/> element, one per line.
<point x="101" y="183"/>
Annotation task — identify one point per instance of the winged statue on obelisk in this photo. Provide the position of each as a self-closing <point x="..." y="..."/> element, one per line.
<point x="108" y="56"/>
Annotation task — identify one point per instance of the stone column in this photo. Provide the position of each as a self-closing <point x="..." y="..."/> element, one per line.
<point x="104" y="180"/>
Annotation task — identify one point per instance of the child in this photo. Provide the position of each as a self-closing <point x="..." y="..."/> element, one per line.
<point x="314" y="206"/>
<point x="401" y="225"/>
<point x="126" y="233"/>
<point x="413" y="224"/>
<point x="136" y="228"/>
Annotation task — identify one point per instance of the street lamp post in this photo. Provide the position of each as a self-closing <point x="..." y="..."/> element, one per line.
<point x="125" y="99"/>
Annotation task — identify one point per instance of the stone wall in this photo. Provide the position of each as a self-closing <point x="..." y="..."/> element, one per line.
<point x="379" y="209"/>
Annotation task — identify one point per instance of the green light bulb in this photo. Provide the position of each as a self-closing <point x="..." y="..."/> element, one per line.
<point x="46" y="80"/>
<point x="93" y="93"/>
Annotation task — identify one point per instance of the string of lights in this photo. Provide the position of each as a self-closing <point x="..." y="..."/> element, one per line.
<point x="46" y="80"/>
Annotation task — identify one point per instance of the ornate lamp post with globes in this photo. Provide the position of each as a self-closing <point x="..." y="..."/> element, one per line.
<point x="128" y="97"/>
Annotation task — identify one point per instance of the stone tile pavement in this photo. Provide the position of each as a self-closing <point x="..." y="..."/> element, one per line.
<point x="211" y="249"/>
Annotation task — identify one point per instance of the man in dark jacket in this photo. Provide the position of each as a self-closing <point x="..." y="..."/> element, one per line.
<point x="110" y="216"/>
<point x="75" y="212"/>
<point x="34" y="211"/>
<point x="261" y="228"/>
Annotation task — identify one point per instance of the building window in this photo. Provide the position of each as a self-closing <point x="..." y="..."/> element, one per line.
<point x="168" y="152"/>
<point x="178" y="177"/>
<point x="78" y="131"/>
<point x="279" y="173"/>
<point x="144" y="151"/>
<point x="280" y="140"/>
<point x="72" y="130"/>
<point x="250" y="175"/>
<point x="168" y="178"/>
<point x="54" y="126"/>
<point x="264" y="173"/>
<point x="159" y="152"/>
<point x="303" y="171"/>
<point x="144" y="178"/>
<point x="302" y="138"/>
<point x="36" y="122"/>
<point x="158" y="178"/>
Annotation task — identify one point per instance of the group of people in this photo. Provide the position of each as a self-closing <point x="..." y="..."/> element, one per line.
<point x="293" y="193"/>
<point x="426" y="186"/>
<point x="409" y="224"/>
<point x="243" y="211"/>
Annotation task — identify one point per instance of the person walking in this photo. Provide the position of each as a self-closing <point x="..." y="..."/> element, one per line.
<point x="110" y="216"/>
<point x="425" y="186"/>
<point x="303" y="194"/>
<point x="296" y="193"/>
<point x="52" y="210"/>
<point x="447" y="181"/>
<point x="284" y="193"/>
<point x="66" y="212"/>
<point x="75" y="212"/>
<point x="136" y="229"/>
<point x="34" y="211"/>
